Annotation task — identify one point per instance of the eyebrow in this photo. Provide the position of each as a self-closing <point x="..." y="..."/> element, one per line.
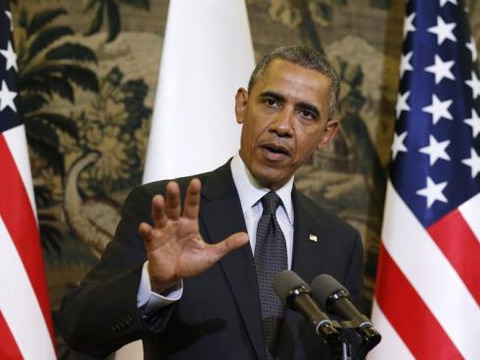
<point x="302" y="105"/>
<point x="272" y="94"/>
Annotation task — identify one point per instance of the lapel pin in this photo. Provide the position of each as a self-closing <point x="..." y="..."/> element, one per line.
<point x="313" y="238"/>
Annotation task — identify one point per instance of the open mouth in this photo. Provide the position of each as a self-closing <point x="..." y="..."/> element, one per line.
<point x="276" y="150"/>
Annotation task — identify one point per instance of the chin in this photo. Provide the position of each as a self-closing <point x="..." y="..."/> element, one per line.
<point x="267" y="175"/>
<point x="272" y="181"/>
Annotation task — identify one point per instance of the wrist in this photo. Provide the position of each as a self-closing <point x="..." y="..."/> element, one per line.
<point x="159" y="285"/>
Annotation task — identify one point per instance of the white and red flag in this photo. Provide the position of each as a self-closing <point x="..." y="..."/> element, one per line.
<point x="25" y="322"/>
<point x="207" y="55"/>
<point x="427" y="297"/>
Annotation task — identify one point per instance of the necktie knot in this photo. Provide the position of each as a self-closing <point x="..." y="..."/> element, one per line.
<point x="270" y="203"/>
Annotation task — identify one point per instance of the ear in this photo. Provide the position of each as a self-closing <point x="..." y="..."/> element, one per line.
<point x="329" y="132"/>
<point x="241" y="99"/>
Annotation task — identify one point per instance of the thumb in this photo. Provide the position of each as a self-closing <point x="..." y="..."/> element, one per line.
<point x="231" y="243"/>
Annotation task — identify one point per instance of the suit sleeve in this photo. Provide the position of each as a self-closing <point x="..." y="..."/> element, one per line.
<point x="101" y="315"/>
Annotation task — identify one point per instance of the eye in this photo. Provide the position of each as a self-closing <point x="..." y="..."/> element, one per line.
<point x="308" y="114"/>
<point x="272" y="102"/>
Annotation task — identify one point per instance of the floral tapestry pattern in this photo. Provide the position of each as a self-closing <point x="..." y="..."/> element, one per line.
<point x="88" y="75"/>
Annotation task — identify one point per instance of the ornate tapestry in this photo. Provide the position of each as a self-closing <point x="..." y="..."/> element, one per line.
<point x="88" y="74"/>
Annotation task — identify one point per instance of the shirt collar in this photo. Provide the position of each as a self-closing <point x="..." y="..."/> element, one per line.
<point x="250" y="191"/>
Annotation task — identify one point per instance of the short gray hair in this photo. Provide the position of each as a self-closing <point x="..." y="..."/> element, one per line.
<point x="305" y="57"/>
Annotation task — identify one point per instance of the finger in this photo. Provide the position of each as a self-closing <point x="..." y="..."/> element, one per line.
<point x="172" y="206"/>
<point x="233" y="242"/>
<point x="145" y="231"/>
<point x="158" y="211"/>
<point x="192" y="200"/>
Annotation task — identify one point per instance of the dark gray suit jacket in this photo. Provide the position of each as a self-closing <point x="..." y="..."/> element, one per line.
<point x="218" y="316"/>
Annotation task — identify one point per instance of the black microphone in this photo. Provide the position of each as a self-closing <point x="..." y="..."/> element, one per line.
<point x="296" y="295"/>
<point x="336" y="299"/>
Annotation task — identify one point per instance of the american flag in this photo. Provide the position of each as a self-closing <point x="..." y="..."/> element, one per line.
<point x="25" y="324"/>
<point x="427" y="299"/>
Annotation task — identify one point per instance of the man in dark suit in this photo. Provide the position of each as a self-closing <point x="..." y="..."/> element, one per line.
<point x="169" y="278"/>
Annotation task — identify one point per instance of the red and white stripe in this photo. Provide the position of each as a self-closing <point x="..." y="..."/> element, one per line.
<point x="428" y="286"/>
<point x="25" y="323"/>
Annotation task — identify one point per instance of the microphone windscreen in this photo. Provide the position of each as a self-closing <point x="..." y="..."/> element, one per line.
<point x="285" y="281"/>
<point x="325" y="285"/>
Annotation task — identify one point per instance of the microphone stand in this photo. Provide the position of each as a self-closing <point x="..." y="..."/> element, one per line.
<point x="353" y="336"/>
<point x="346" y="351"/>
<point x="341" y="345"/>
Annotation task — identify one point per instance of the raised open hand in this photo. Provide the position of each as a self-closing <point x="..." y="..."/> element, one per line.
<point x="174" y="246"/>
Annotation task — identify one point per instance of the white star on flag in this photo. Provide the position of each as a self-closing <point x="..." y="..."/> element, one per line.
<point x="7" y="97"/>
<point x="405" y="63"/>
<point x="11" y="57"/>
<point x="473" y="48"/>
<point x="443" y="2"/>
<point x="474" y="84"/>
<point x="433" y="192"/>
<point x="398" y="144"/>
<point x="441" y="69"/>
<point x="402" y="103"/>
<point x="436" y="150"/>
<point x="439" y="109"/>
<point x="408" y="24"/>
<point x="443" y="31"/>
<point x="474" y="122"/>
<point x="473" y="162"/>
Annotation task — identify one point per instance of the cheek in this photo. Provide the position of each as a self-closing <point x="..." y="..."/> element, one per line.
<point x="307" y="143"/>
<point x="254" y="130"/>
<point x="248" y="138"/>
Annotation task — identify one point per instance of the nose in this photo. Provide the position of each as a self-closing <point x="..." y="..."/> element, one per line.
<point x="282" y="124"/>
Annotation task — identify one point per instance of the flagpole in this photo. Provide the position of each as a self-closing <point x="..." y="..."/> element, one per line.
<point x="207" y="55"/>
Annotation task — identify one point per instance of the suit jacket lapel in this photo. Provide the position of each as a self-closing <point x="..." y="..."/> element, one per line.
<point x="309" y="250"/>
<point x="221" y="215"/>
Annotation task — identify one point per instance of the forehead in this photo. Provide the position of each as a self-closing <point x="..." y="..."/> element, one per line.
<point x="291" y="80"/>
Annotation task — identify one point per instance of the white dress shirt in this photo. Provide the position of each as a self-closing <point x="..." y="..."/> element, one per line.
<point x="250" y="193"/>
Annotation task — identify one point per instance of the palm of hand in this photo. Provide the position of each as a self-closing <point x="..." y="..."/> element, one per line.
<point x="180" y="247"/>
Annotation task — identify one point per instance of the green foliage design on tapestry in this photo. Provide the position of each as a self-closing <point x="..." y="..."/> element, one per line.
<point x="50" y="67"/>
<point x="108" y="11"/>
<point x="116" y="125"/>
